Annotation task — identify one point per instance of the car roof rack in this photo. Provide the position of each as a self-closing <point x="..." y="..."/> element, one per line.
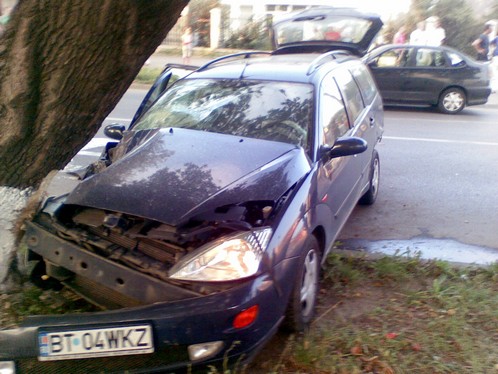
<point x="320" y="60"/>
<point x="242" y="55"/>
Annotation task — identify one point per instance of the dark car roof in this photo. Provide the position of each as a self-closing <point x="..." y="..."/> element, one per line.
<point x="289" y="67"/>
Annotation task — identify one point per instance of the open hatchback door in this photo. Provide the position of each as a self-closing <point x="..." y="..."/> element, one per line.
<point x="326" y="29"/>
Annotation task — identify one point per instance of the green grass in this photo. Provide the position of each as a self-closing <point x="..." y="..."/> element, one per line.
<point x="400" y="315"/>
<point x="147" y="75"/>
<point x="15" y="307"/>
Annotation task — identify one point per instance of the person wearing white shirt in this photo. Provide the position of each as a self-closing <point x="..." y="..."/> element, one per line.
<point x="434" y="32"/>
<point x="418" y="36"/>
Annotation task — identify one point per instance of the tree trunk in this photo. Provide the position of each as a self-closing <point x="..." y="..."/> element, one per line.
<point x="63" y="67"/>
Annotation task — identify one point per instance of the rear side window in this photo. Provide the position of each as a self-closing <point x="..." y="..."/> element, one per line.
<point x="430" y="57"/>
<point x="455" y="59"/>
<point x="334" y="117"/>
<point x="365" y="82"/>
<point x="351" y="93"/>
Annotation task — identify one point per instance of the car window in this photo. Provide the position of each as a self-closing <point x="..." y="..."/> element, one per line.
<point x="397" y="57"/>
<point x="279" y="111"/>
<point x="176" y="73"/>
<point x="338" y="28"/>
<point x="430" y="57"/>
<point x="365" y="82"/>
<point x="333" y="114"/>
<point x="351" y="93"/>
<point x="455" y="59"/>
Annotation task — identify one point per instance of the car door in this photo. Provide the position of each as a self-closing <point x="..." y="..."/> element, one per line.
<point x="337" y="177"/>
<point x="389" y="71"/>
<point x="170" y="74"/>
<point x="424" y="77"/>
<point x="364" y="112"/>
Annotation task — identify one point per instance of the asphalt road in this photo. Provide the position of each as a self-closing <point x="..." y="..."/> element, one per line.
<point x="438" y="194"/>
<point x="439" y="178"/>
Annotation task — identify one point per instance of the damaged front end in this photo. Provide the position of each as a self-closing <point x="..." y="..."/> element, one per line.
<point x="118" y="260"/>
<point x="156" y="222"/>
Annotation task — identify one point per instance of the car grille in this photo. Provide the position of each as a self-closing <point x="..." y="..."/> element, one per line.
<point x="157" y="249"/>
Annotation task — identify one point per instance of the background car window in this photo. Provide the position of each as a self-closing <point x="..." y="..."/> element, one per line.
<point x="439" y="59"/>
<point x="351" y="93"/>
<point x="455" y="59"/>
<point x="398" y="57"/>
<point x="278" y="111"/>
<point x="430" y="57"/>
<point x="334" y="117"/>
<point x="365" y="82"/>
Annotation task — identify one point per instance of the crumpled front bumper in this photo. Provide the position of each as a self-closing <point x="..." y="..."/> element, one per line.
<point x="176" y="325"/>
<point x="179" y="319"/>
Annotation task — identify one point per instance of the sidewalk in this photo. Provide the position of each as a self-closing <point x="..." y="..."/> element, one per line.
<point x="201" y="55"/>
<point x="159" y="60"/>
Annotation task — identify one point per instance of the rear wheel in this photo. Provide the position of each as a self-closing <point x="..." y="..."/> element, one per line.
<point x="301" y="308"/>
<point x="451" y="101"/>
<point x="370" y="196"/>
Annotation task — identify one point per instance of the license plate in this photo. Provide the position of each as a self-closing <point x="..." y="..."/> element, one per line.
<point x="108" y="341"/>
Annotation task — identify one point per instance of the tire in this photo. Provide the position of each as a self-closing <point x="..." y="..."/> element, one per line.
<point x="452" y="101"/>
<point x="302" y="303"/>
<point x="370" y="196"/>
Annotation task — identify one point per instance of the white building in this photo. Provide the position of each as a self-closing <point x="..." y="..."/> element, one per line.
<point x="243" y="11"/>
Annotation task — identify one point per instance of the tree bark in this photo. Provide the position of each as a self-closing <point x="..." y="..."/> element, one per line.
<point x="63" y="67"/>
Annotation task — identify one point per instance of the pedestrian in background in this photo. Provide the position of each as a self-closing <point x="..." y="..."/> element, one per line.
<point x="418" y="36"/>
<point x="187" y="41"/>
<point x="493" y="44"/>
<point x="481" y="44"/>
<point x="400" y="36"/>
<point x="434" y="32"/>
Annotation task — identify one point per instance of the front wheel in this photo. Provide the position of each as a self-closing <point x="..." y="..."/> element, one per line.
<point x="301" y="308"/>
<point x="451" y="101"/>
<point x="370" y="196"/>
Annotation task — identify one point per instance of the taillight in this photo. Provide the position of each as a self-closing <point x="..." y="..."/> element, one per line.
<point x="246" y="317"/>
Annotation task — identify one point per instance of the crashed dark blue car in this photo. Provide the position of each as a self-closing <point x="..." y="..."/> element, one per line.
<point x="202" y="229"/>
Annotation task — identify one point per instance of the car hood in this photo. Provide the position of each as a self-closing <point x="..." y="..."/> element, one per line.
<point x="329" y="27"/>
<point x="170" y="175"/>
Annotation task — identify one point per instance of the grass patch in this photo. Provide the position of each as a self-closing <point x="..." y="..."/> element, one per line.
<point x="400" y="315"/>
<point x="147" y="75"/>
<point x="35" y="301"/>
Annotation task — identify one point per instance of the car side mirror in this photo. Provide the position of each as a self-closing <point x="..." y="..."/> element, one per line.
<point x="114" y="131"/>
<point x="345" y="147"/>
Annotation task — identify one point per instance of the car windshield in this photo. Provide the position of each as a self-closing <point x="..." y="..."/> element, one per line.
<point x="278" y="111"/>
<point x="341" y="29"/>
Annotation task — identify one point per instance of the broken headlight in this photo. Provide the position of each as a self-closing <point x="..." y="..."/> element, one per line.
<point x="228" y="258"/>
